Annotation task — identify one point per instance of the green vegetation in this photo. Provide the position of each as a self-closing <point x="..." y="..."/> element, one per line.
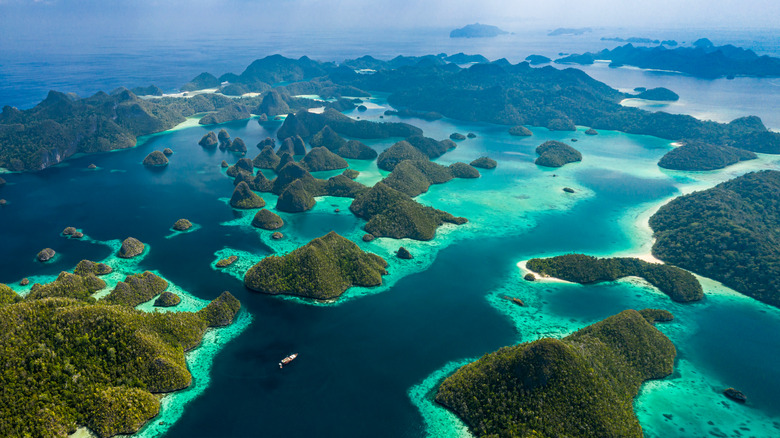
<point x="398" y="152"/>
<point x="520" y="131"/>
<point x="729" y="233"/>
<point x="407" y="113"/>
<point x="414" y="177"/>
<point x="327" y="138"/>
<point x="201" y="82"/>
<point x="463" y="170"/>
<point x="228" y="113"/>
<point x="582" y="385"/>
<point x="697" y="155"/>
<point x="209" y="140"/>
<point x="69" y="363"/>
<point x="267" y="159"/>
<point x="238" y="146"/>
<point x="430" y="147"/>
<point x="356" y="150"/>
<point x="391" y="213"/>
<point x="660" y="93"/>
<point x="351" y="173"/>
<point x="457" y="136"/>
<point x="343" y="187"/>
<point x="591" y="131"/>
<point x="86" y="267"/>
<point x="294" y="198"/>
<point x="680" y="285"/>
<point x="244" y="198"/>
<point x="156" y="159"/>
<point x="131" y="247"/>
<point x="151" y="90"/>
<point x="307" y="124"/>
<point x="136" y="289"/>
<point x="484" y="163"/>
<point x="242" y="165"/>
<point x="294" y="171"/>
<point x="322" y="269"/>
<point x="555" y="154"/>
<point x="656" y="315"/>
<point x="68" y="285"/>
<point x="224" y="263"/>
<point x="182" y="225"/>
<point x="320" y="158"/>
<point x="267" y="220"/>
<point x="167" y="299"/>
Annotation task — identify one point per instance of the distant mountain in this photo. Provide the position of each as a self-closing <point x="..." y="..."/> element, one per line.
<point x="570" y="31"/>
<point x="703" y="60"/>
<point x="477" y="30"/>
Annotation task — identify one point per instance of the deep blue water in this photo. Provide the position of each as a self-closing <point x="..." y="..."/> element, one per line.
<point x="359" y="358"/>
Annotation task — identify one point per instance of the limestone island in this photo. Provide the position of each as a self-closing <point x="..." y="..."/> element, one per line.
<point x="477" y="30"/>
<point x="267" y="220"/>
<point x="182" y="225"/>
<point x="77" y="381"/>
<point x="484" y="163"/>
<point x="244" y="198"/>
<point x="322" y="269"/>
<point x="131" y="247"/>
<point x="167" y="299"/>
<point x="46" y="254"/>
<point x="556" y="154"/>
<point x="658" y="94"/>
<point x="209" y="141"/>
<point x="580" y="385"/>
<point x="697" y="155"/>
<point x="224" y="263"/>
<point x="735" y="224"/>
<point x="678" y="284"/>
<point x="520" y="131"/>
<point x="156" y="159"/>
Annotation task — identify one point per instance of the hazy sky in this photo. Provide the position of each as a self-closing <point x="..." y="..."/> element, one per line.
<point x="177" y="16"/>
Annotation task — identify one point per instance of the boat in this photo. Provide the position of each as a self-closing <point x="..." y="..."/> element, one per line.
<point x="287" y="360"/>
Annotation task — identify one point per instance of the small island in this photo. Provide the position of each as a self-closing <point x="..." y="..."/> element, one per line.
<point x="484" y="163"/>
<point x="182" y="225"/>
<point x="697" y="155"/>
<point x="562" y="387"/>
<point x="477" y="30"/>
<point x="244" y="198"/>
<point x="167" y="299"/>
<point x="156" y="159"/>
<point x="131" y="247"/>
<point x="556" y="154"/>
<point x="322" y="269"/>
<point x="678" y="284"/>
<point x="267" y="220"/>
<point x="659" y="94"/>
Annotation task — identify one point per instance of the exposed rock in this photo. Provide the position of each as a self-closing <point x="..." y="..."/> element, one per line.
<point x="515" y="300"/>
<point x="520" y="131"/>
<point x="131" y="247"/>
<point x="224" y="139"/>
<point x="167" y="152"/>
<point x="46" y="254"/>
<point x="368" y="237"/>
<point x="227" y="262"/>
<point x="568" y="190"/>
<point x="484" y="163"/>
<point x="457" y="136"/>
<point x="574" y="140"/>
<point x="244" y="198"/>
<point x="320" y="158"/>
<point x="167" y="299"/>
<point x="295" y="198"/>
<point x="403" y="253"/>
<point x="224" y="164"/>
<point x="735" y="395"/>
<point x="69" y="231"/>
<point x="267" y="220"/>
<point x="463" y="170"/>
<point x="92" y="167"/>
<point x="156" y="159"/>
<point x="209" y="140"/>
<point x="25" y="281"/>
<point x="77" y="235"/>
<point x="529" y="277"/>
<point x="182" y="225"/>
<point x="277" y="235"/>
<point x="591" y="131"/>
<point x="3" y="202"/>
<point x="471" y="135"/>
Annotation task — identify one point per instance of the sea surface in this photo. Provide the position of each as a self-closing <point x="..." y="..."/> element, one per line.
<point x="369" y="362"/>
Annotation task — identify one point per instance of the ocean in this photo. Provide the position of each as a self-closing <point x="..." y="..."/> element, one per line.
<point x="368" y="363"/>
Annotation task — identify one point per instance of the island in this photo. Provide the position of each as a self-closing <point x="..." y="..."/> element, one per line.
<point x="697" y="155"/>
<point x="659" y="94"/>
<point x="267" y="220"/>
<point x="322" y="269"/>
<point x="556" y="154"/>
<point x="484" y="163"/>
<point x="131" y="247"/>
<point x="581" y="385"/>
<point x="679" y="285"/>
<point x="182" y="225"/>
<point x="702" y="60"/>
<point x="244" y="198"/>
<point x="726" y="233"/>
<point x="137" y="289"/>
<point x="537" y="59"/>
<point x="320" y="158"/>
<point x="569" y="31"/>
<point x="156" y="159"/>
<point x="78" y="382"/>
<point x="520" y="131"/>
<point x="477" y="30"/>
<point x="167" y="299"/>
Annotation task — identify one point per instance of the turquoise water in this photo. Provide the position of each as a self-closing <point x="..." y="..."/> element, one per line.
<point x="377" y="353"/>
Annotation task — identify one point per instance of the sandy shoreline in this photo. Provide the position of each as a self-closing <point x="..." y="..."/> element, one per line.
<point x="539" y="277"/>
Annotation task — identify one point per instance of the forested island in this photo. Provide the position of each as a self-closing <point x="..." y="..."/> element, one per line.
<point x="496" y="92"/>
<point x="581" y="385"/>
<point x="703" y="60"/>
<point x="697" y="155"/>
<point x="70" y="360"/>
<point x="678" y="284"/>
<point x="477" y="30"/>
<point x="729" y="233"/>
